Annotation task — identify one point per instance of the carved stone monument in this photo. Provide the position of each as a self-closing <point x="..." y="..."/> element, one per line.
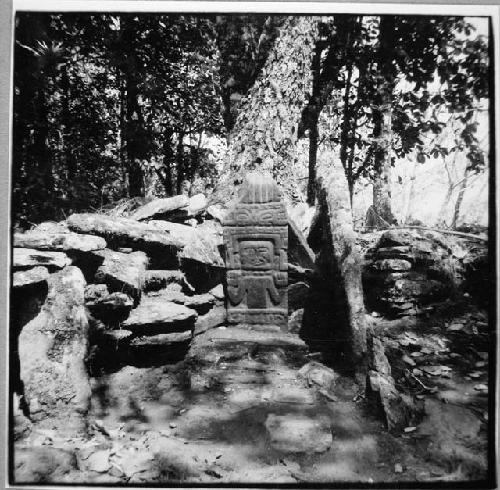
<point x="256" y="240"/>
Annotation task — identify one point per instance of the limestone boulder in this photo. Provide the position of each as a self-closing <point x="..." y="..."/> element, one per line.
<point x="26" y="258"/>
<point x="30" y="277"/>
<point x="126" y="232"/>
<point x="122" y="272"/>
<point x="52" y="351"/>
<point x="59" y="241"/>
<point x="157" y="316"/>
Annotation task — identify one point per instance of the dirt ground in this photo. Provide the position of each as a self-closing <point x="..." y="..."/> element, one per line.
<point x="154" y="424"/>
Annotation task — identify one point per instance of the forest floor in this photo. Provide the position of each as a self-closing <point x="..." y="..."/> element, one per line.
<point x="155" y="424"/>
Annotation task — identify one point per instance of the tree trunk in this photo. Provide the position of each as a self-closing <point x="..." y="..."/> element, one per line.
<point x="180" y="163"/>
<point x="460" y="198"/>
<point x="168" y="157"/>
<point x="313" y="128"/>
<point x="411" y="195"/>
<point x="135" y="133"/>
<point x="339" y="263"/>
<point x="265" y="131"/>
<point x="313" y="155"/>
<point x="382" y="122"/>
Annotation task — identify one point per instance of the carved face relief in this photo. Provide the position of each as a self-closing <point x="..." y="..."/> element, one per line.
<point x="256" y="254"/>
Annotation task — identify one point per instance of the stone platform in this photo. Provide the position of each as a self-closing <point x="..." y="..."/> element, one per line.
<point x="257" y="369"/>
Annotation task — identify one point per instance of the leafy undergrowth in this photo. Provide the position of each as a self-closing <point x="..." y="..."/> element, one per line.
<point x="149" y="427"/>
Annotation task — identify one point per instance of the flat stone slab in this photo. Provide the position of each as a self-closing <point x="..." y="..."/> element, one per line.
<point x="160" y="207"/>
<point x="125" y="232"/>
<point x="236" y="342"/>
<point x="298" y="434"/>
<point x="201" y="303"/>
<point x="23" y="258"/>
<point x="155" y="316"/>
<point x="122" y="272"/>
<point x="59" y="241"/>
<point x="37" y="275"/>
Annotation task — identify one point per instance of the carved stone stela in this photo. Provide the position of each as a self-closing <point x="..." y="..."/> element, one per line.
<point x="256" y="239"/>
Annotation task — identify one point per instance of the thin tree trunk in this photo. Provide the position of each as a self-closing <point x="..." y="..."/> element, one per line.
<point x="135" y="134"/>
<point x="313" y="155"/>
<point x="460" y="198"/>
<point x="313" y="129"/>
<point x="180" y="163"/>
<point x="382" y="118"/>
<point x="411" y="195"/>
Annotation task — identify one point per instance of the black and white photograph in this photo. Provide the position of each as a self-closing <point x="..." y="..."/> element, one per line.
<point x="252" y="245"/>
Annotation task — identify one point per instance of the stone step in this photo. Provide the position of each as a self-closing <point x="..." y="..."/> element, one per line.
<point x="231" y="343"/>
<point x="295" y="433"/>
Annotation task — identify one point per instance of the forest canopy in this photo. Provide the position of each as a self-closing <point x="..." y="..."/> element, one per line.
<point x="115" y="106"/>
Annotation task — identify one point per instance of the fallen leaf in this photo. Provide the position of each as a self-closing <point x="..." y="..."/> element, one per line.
<point x="398" y="468"/>
<point x="481" y="387"/>
<point x="410" y="429"/>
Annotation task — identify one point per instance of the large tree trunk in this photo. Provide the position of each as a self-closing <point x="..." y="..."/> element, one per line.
<point x="382" y="122"/>
<point x="265" y="132"/>
<point x="338" y="314"/>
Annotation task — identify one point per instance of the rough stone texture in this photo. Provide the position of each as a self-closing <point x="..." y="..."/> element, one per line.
<point x="24" y="258"/>
<point x="319" y="375"/>
<point x="59" y="241"/>
<point x="125" y="232"/>
<point x="256" y="238"/>
<point x="408" y="269"/>
<point x="94" y="292"/>
<point x="160" y="207"/>
<point x="30" y="277"/>
<point x="52" y="351"/>
<point x="155" y="280"/>
<point x="198" y="243"/>
<point x="298" y="434"/>
<point x="122" y="272"/>
<point x="157" y="316"/>
<point x="212" y="319"/>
